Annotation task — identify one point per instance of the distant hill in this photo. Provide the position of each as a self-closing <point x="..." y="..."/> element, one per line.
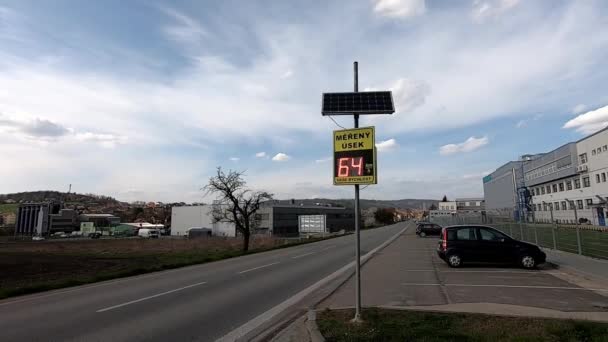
<point x="46" y="195"/>
<point x="366" y="203"/>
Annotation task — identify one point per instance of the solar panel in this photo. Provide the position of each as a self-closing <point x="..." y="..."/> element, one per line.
<point x="367" y="102"/>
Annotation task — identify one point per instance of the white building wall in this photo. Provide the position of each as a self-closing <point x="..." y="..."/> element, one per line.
<point x="450" y="205"/>
<point x="199" y="216"/>
<point x="592" y="152"/>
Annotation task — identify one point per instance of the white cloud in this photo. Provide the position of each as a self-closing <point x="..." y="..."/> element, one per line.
<point x="261" y="155"/>
<point x="287" y="74"/>
<point x="483" y="9"/>
<point x="468" y="145"/>
<point x="281" y="157"/>
<point x="323" y="160"/>
<point x="579" y="109"/>
<point x="235" y="159"/>
<point x="185" y="29"/>
<point x="521" y="123"/>
<point x="104" y="140"/>
<point x="400" y="8"/>
<point x="589" y="122"/>
<point x="387" y="145"/>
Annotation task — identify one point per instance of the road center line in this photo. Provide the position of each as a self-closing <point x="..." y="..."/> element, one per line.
<point x="302" y="255"/>
<point x="328" y="247"/>
<point x="508" y="286"/>
<point x="150" y="297"/>
<point x="257" y="268"/>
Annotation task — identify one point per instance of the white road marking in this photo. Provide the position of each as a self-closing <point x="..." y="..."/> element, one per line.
<point x="150" y="297"/>
<point x="257" y="268"/>
<point x="507" y="286"/>
<point x="302" y="255"/>
<point x="328" y="247"/>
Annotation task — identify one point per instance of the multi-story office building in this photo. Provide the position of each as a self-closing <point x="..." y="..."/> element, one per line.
<point x="574" y="189"/>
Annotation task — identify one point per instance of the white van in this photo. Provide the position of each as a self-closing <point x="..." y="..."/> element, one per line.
<point x="148" y="233"/>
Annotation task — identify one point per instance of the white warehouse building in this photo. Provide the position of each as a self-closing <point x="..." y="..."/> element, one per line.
<point x="198" y="216"/>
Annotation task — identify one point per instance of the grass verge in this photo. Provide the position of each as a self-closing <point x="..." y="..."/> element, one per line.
<point x="398" y="325"/>
<point x="26" y="272"/>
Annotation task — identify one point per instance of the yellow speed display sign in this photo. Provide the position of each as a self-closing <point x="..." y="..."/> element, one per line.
<point x="355" y="156"/>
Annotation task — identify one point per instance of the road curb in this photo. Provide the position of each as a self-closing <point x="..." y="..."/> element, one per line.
<point x="262" y="324"/>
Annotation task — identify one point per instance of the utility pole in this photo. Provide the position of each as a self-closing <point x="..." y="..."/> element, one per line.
<point x="357" y="216"/>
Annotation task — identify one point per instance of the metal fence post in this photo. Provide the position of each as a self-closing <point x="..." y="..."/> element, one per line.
<point x="554" y="239"/>
<point x="521" y="230"/>
<point x="535" y="235"/>
<point x="578" y="240"/>
<point x="510" y="229"/>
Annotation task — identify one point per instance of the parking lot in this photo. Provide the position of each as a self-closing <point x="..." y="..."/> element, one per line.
<point x="409" y="273"/>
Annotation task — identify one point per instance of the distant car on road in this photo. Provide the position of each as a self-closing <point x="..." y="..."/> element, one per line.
<point x="426" y="228"/>
<point x="483" y="244"/>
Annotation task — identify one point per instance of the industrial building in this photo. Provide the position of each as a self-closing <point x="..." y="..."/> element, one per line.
<point x="470" y="207"/>
<point x="198" y="216"/>
<point x="44" y="218"/>
<point x="272" y="218"/>
<point x="100" y="220"/>
<point x="290" y="219"/>
<point x="569" y="184"/>
<point x="565" y="185"/>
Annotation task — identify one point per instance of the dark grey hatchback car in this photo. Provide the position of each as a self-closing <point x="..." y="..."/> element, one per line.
<point x="483" y="244"/>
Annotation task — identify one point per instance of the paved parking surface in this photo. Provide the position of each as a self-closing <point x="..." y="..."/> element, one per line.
<point x="409" y="273"/>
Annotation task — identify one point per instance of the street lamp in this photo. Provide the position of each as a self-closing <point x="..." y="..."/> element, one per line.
<point x="575" y="212"/>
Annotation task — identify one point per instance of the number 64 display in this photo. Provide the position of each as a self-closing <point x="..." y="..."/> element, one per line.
<point x="355" y="156"/>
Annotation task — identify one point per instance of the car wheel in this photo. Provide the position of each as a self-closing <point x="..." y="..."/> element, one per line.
<point x="528" y="262"/>
<point x="454" y="260"/>
<point x="422" y="234"/>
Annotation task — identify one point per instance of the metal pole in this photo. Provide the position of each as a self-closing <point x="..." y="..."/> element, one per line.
<point x="521" y="231"/>
<point x="554" y="239"/>
<point x="578" y="240"/>
<point x="357" y="317"/>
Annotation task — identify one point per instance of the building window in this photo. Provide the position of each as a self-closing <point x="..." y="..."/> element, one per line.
<point x="593" y="152"/>
<point x="589" y="202"/>
<point x="532" y="192"/>
<point x="605" y="148"/>
<point x="603" y="177"/>
<point x="564" y="207"/>
<point x="571" y="205"/>
<point x="548" y="189"/>
<point x="542" y="190"/>
<point x="568" y="185"/>
<point x="556" y="204"/>
<point x="597" y="178"/>
<point x="579" y="204"/>
<point x="561" y="186"/>
<point x="577" y="183"/>
<point x="586" y="182"/>
<point x="599" y="150"/>
<point x="554" y="187"/>
<point x="582" y="158"/>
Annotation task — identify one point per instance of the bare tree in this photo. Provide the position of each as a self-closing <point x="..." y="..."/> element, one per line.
<point x="236" y="204"/>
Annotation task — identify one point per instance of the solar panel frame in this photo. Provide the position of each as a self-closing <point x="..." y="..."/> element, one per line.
<point x="349" y="103"/>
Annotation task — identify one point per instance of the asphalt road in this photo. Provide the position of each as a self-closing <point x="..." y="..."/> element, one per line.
<point x="196" y="303"/>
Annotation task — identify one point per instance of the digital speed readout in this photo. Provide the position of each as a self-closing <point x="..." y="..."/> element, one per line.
<point x="354" y="156"/>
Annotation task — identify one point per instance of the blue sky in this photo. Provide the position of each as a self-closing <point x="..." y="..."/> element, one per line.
<point x="142" y="100"/>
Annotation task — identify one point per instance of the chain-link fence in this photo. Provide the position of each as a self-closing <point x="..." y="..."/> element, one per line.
<point x="581" y="239"/>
